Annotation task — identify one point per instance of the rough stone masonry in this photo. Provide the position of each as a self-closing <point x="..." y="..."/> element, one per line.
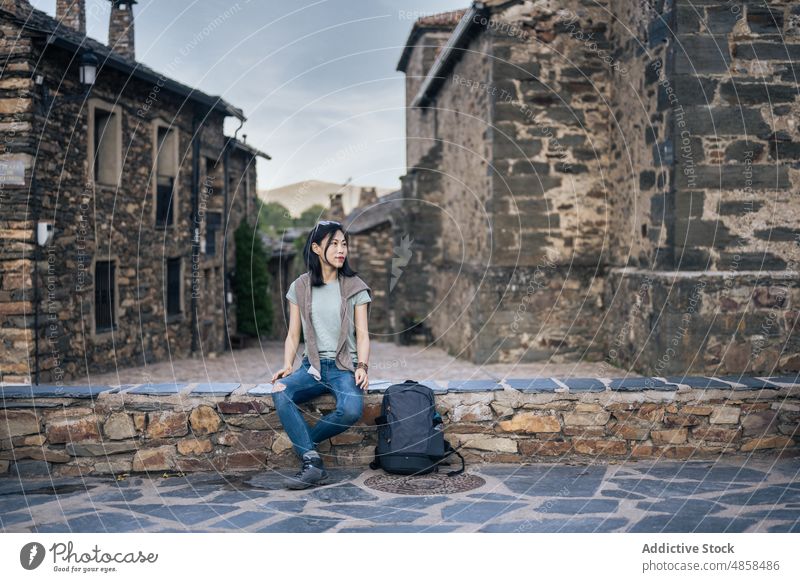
<point x="233" y="428"/>
<point x="611" y="180"/>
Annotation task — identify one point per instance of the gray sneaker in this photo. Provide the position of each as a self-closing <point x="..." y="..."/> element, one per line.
<point x="312" y="473"/>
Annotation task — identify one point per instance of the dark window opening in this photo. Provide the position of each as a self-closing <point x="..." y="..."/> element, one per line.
<point x="211" y="167"/>
<point x="104" y="296"/>
<point x="164" y="190"/>
<point x="174" y="286"/>
<point x="213" y="224"/>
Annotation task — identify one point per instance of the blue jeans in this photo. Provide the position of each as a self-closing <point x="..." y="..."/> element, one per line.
<point x="301" y="387"/>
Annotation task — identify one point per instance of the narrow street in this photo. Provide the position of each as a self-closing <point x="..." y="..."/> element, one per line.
<point x="387" y="362"/>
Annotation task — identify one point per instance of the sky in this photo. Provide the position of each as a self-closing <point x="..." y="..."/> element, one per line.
<point x="316" y="79"/>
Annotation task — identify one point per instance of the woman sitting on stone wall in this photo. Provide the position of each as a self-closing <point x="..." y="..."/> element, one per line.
<point x="332" y="304"/>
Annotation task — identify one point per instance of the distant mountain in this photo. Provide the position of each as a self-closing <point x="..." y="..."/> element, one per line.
<point x="300" y="195"/>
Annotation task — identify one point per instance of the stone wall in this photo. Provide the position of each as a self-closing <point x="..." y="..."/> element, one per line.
<point x="418" y="233"/>
<point x="464" y="248"/>
<point x="716" y="285"/>
<point x="16" y="228"/>
<point x="550" y="194"/>
<point x="630" y="158"/>
<point x="637" y="166"/>
<point x="121" y="432"/>
<point x="420" y="122"/>
<point x="512" y="198"/>
<point x="709" y="174"/>
<point x="550" y="138"/>
<point x="371" y="253"/>
<point x="734" y="205"/>
<point x="707" y="322"/>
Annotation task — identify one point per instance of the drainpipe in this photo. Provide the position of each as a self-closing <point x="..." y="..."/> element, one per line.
<point x="36" y="195"/>
<point x="225" y="286"/>
<point x="226" y="173"/>
<point x="36" y="253"/>
<point x="194" y="223"/>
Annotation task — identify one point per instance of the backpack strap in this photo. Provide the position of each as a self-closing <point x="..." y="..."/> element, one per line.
<point x="375" y="464"/>
<point x="449" y="450"/>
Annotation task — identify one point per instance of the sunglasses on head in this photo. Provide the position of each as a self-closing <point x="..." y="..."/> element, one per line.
<point x="327" y="222"/>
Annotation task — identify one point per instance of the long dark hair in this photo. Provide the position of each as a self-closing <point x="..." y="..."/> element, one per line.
<point x="317" y="234"/>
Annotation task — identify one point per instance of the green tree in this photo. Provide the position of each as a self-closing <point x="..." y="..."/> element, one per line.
<point x="274" y="218"/>
<point x="310" y="216"/>
<point x="254" y="312"/>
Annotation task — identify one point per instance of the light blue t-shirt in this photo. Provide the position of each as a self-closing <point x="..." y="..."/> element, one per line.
<point x="326" y="304"/>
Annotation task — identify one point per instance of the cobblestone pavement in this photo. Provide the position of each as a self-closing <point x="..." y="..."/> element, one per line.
<point x="740" y="494"/>
<point x="387" y="360"/>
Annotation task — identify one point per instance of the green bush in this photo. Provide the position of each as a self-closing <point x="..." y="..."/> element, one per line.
<point x="274" y="218"/>
<point x="254" y="312"/>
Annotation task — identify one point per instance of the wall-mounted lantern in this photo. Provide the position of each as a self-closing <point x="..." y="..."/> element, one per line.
<point x="87" y="69"/>
<point x="44" y="233"/>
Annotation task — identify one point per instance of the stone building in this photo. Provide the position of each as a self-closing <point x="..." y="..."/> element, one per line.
<point x="370" y="228"/>
<point x="141" y="190"/>
<point x="612" y="188"/>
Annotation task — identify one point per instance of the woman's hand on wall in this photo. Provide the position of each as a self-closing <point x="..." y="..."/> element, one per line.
<point x="282" y="373"/>
<point x="362" y="380"/>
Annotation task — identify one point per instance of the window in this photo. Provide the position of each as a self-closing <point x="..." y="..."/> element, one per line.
<point x="166" y="173"/>
<point x="164" y="188"/>
<point x="104" y="293"/>
<point x="105" y="143"/>
<point x="213" y="223"/>
<point x="174" y="286"/>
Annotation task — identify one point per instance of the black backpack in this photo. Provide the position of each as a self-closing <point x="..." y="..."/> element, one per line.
<point x="410" y="432"/>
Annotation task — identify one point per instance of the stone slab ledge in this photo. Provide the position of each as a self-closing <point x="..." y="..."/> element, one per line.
<point x="526" y="385"/>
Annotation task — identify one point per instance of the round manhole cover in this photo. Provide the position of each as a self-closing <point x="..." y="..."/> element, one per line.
<point x="430" y="484"/>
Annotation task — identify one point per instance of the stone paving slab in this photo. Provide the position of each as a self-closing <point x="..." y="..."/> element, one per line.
<point x="748" y="382"/>
<point x="585" y="384"/>
<point x="55" y="391"/>
<point x="473" y="386"/>
<point x="533" y="384"/>
<point x="527" y="385"/>
<point x="738" y="494"/>
<point x="638" y="384"/>
<point x="163" y="389"/>
<point x="261" y="390"/>
<point x="215" y="388"/>
<point x="787" y="380"/>
<point x="698" y="382"/>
